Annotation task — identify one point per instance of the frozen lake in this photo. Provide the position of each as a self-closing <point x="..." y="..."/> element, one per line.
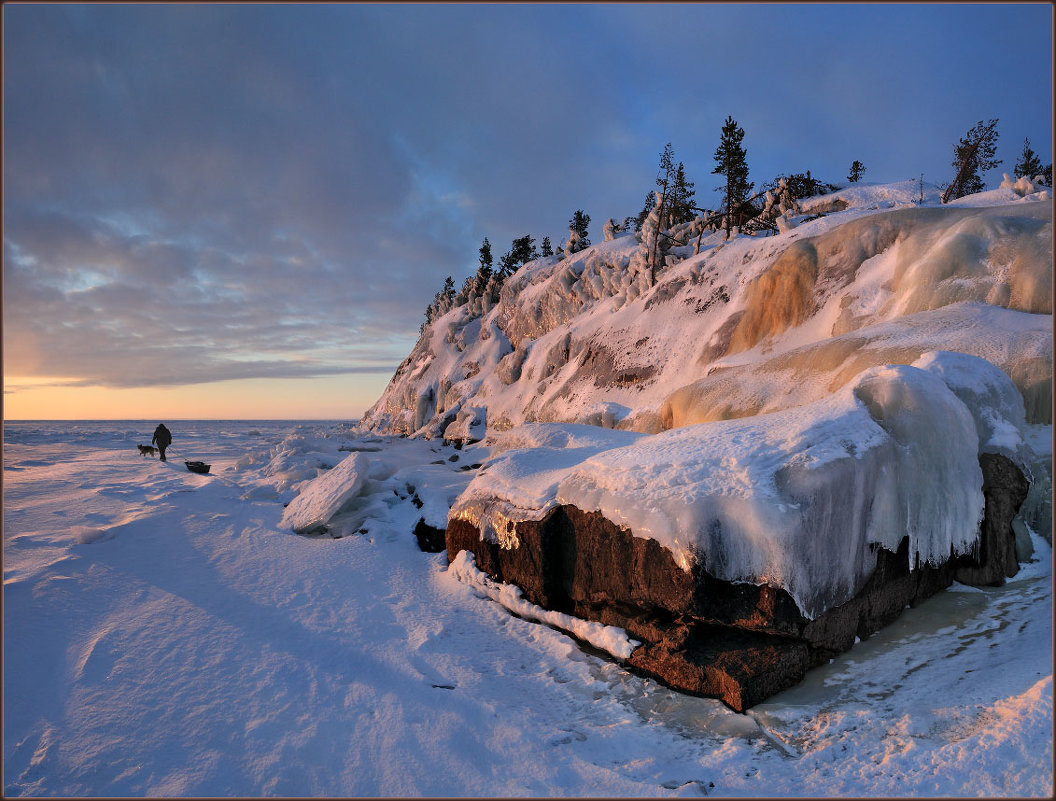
<point x="164" y="635"/>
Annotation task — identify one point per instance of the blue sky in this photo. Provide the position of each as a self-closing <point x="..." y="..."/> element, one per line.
<point x="259" y="201"/>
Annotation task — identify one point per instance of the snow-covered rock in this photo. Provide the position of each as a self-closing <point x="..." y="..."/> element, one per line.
<point x="824" y="415"/>
<point x="592" y="328"/>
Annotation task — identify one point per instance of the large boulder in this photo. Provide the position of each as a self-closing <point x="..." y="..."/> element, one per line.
<point x="738" y="642"/>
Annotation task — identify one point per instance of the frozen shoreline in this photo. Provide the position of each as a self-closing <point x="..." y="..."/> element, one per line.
<point x="197" y="648"/>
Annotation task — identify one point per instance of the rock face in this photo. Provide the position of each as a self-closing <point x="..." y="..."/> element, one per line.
<point x="740" y="643"/>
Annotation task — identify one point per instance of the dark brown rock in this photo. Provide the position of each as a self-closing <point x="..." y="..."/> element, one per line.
<point x="430" y="539"/>
<point x="740" y="643"/>
<point x="1005" y="488"/>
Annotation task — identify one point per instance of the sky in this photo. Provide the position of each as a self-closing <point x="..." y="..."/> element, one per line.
<point x="242" y="211"/>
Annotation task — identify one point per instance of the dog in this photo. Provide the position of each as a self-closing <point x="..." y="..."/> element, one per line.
<point x="145" y="449"/>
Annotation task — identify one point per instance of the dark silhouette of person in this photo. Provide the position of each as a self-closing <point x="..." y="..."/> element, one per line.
<point x="162" y="438"/>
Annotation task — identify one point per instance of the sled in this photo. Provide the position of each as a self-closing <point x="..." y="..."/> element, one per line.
<point x="198" y="467"/>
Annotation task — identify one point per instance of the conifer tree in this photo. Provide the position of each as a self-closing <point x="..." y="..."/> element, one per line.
<point x="665" y="179"/>
<point x="647" y="207"/>
<point x="507" y="265"/>
<point x="1029" y="164"/>
<point x="548" y="249"/>
<point x="523" y="249"/>
<point x="578" y="226"/>
<point x="857" y="171"/>
<point x="972" y="156"/>
<point x="680" y="202"/>
<point x="484" y="271"/>
<point x="731" y="162"/>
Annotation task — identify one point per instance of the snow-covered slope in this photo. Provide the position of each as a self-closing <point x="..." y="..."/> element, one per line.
<point x="864" y="277"/>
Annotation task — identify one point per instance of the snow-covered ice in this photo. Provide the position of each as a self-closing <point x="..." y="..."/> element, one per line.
<point x="166" y="634"/>
<point x="798" y="498"/>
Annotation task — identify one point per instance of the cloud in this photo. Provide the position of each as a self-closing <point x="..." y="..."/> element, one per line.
<point x="200" y="193"/>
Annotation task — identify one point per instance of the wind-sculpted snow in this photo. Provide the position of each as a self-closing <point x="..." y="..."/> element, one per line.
<point x="797" y="499"/>
<point x="1020" y="344"/>
<point x="864" y="277"/>
<point x="166" y="637"/>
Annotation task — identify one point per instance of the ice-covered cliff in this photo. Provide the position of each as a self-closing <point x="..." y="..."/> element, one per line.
<point x="765" y="447"/>
<point x="865" y="277"/>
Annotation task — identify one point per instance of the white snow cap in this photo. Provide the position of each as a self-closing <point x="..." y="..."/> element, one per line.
<point x="794" y="499"/>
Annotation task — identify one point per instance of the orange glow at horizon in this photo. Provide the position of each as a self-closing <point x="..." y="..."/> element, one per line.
<point x="332" y="398"/>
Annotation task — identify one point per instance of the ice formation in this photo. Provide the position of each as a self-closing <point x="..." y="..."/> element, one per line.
<point x="322" y="499"/>
<point x="796" y="499"/>
<point x="863" y="277"/>
<point x="773" y="407"/>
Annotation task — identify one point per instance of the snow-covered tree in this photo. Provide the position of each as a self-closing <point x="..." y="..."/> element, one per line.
<point x="1029" y="164"/>
<point x="731" y="161"/>
<point x="802" y="185"/>
<point x="467" y="292"/>
<point x="610" y="230"/>
<point x="647" y="206"/>
<point x="577" y="233"/>
<point x="484" y="271"/>
<point x="579" y="222"/>
<point x="521" y="251"/>
<point x="857" y="171"/>
<point x="485" y="253"/>
<point x="653" y="246"/>
<point x="973" y="156"/>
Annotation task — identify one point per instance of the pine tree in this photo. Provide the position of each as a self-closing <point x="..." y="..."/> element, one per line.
<point x="972" y="156"/>
<point x="548" y="249"/>
<point x="578" y="225"/>
<point x="680" y="203"/>
<point x="857" y="171"/>
<point x="484" y="271"/>
<point x="507" y="265"/>
<point x="665" y="180"/>
<point x="449" y="290"/>
<point x="523" y="249"/>
<point x="802" y="184"/>
<point x="648" y="206"/>
<point x="1029" y="164"/>
<point x="731" y="162"/>
<point x="482" y="277"/>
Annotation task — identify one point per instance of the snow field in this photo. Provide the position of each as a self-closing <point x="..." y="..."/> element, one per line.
<point x="202" y="649"/>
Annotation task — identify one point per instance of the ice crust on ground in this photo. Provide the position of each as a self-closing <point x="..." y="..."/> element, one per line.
<point x="795" y="499"/>
<point x="198" y="649"/>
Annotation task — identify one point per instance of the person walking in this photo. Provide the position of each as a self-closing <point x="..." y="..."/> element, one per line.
<point x="162" y="438"/>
